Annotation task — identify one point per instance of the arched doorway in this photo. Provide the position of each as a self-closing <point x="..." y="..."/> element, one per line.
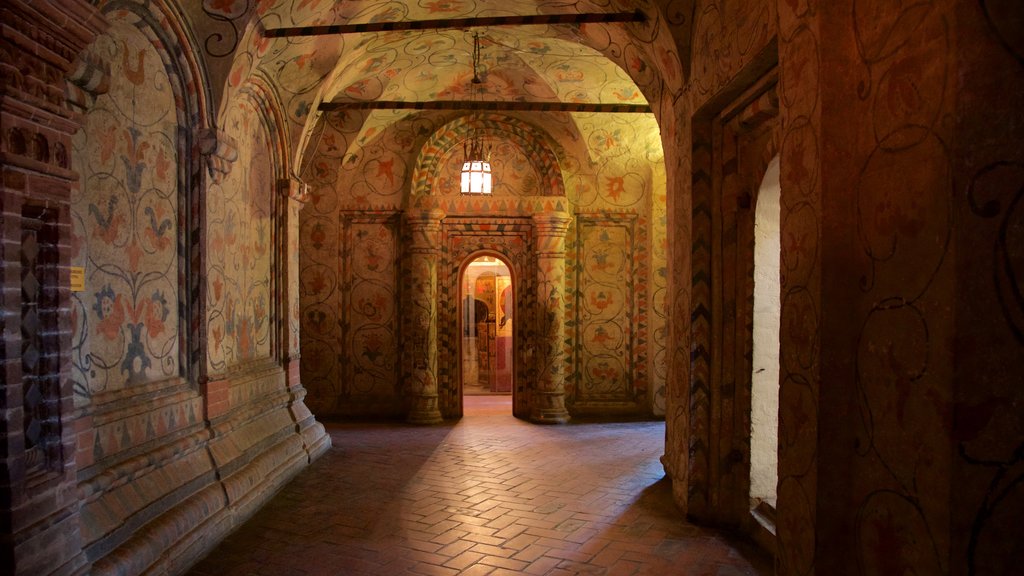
<point x="486" y="321"/>
<point x="731" y="418"/>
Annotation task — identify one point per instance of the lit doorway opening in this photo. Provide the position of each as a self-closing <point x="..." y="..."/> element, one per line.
<point x="486" y="311"/>
<point x="764" y="413"/>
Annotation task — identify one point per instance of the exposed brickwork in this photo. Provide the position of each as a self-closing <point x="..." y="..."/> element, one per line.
<point x="39" y="520"/>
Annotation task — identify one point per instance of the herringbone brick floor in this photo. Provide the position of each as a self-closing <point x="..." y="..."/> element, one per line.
<point x="488" y="495"/>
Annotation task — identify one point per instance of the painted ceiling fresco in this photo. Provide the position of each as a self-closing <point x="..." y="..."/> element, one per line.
<point x="582" y="63"/>
<point x="426" y="66"/>
<point x="514" y="65"/>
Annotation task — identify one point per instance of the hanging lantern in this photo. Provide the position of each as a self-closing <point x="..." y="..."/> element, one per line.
<point x="476" y="169"/>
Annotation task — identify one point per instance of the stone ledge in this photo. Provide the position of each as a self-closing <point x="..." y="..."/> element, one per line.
<point x="171" y="505"/>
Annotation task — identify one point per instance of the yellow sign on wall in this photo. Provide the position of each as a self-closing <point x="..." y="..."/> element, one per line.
<point x="77" y="278"/>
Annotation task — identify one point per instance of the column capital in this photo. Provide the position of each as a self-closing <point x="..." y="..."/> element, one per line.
<point x="294" y="189"/>
<point x="425" y="226"/>
<point x="426" y="217"/>
<point x="552" y="223"/>
<point x="550" y="228"/>
<point x="220" y="151"/>
<point x="89" y="78"/>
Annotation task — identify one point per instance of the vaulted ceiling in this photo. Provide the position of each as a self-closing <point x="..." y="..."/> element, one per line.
<point x="576" y="63"/>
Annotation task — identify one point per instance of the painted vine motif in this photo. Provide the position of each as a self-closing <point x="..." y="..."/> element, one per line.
<point x="609" y="331"/>
<point x="905" y="227"/>
<point x="240" y="247"/>
<point x="125" y="214"/>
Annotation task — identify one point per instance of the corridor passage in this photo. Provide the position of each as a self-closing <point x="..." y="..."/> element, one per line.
<point x="488" y="495"/>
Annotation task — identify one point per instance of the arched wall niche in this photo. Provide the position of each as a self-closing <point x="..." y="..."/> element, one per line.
<point x="260" y="90"/>
<point x="284" y="315"/>
<point x="448" y="140"/>
<point x="141" y="164"/>
<point x="166" y="31"/>
<point x="167" y="28"/>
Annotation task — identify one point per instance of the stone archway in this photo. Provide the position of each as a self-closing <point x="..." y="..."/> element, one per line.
<point x="527" y="228"/>
<point x="534" y="249"/>
<point x="534" y="144"/>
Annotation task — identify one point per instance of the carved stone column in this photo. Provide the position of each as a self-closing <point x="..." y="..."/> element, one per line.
<point x="420" y="349"/>
<point x="295" y="195"/>
<point x="548" y="399"/>
<point x="219" y="151"/>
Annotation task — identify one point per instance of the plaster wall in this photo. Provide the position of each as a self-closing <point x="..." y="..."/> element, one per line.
<point x="126" y="325"/>
<point x="879" y="171"/>
<point x="910" y="282"/>
<point x="240" y="244"/>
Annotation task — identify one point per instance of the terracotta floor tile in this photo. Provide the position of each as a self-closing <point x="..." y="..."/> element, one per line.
<point x="489" y="495"/>
<point x="464" y="560"/>
<point x="477" y="570"/>
<point x="507" y="563"/>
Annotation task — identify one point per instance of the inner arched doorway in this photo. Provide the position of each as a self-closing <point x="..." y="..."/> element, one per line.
<point x="486" y="325"/>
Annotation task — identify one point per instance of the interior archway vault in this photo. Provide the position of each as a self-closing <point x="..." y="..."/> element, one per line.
<point x="605" y="170"/>
<point x="262" y="230"/>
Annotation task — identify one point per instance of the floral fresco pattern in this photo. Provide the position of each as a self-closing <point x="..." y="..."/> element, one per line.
<point x="240" y="244"/>
<point x="371" y="317"/>
<point x="124" y="215"/>
<point x="607" y="330"/>
<point x="624" y="174"/>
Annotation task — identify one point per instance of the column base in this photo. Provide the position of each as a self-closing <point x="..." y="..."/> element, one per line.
<point x="424" y="411"/>
<point x="552" y="409"/>
<point x="546" y="417"/>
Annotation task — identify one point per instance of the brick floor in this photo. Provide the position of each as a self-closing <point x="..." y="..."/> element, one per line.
<point x="490" y="495"/>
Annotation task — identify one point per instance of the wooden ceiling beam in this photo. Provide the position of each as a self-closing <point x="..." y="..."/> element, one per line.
<point x="456" y="23"/>
<point x="495" y="106"/>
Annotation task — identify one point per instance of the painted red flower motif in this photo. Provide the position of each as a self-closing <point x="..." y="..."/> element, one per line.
<point x="316" y="283"/>
<point x="110" y="309"/>
<point x="601" y="336"/>
<point x="444" y="6"/>
<point x="600" y="300"/>
<point x="616" y="186"/>
<point x="162" y="164"/>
